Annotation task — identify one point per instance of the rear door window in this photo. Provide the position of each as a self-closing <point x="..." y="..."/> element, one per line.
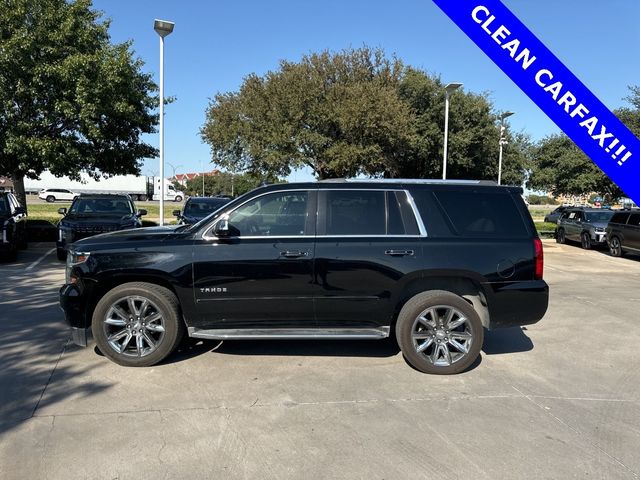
<point x="634" y="219"/>
<point x="620" y="218"/>
<point x="365" y="213"/>
<point x="482" y="214"/>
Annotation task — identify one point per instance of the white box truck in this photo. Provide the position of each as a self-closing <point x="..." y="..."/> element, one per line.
<point x="138" y="187"/>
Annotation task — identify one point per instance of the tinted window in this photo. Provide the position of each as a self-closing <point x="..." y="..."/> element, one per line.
<point x="4" y="205"/>
<point x="355" y="212"/>
<point x="275" y="214"/>
<point x="107" y="206"/>
<point x="482" y="214"/>
<point x="634" y="219"/>
<point x="620" y="217"/>
<point x="598" y="217"/>
<point x="400" y="217"/>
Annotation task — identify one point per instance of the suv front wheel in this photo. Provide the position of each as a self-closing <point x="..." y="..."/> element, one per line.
<point x="137" y="324"/>
<point x="439" y="332"/>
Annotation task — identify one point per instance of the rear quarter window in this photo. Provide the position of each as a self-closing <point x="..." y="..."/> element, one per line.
<point x="482" y="214"/>
<point x="620" y="218"/>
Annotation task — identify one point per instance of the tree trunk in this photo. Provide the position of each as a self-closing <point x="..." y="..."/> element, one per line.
<point x="18" y="188"/>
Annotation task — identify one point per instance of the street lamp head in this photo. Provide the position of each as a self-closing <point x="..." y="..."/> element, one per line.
<point x="450" y="87"/>
<point x="506" y="114"/>
<point x="163" y="27"/>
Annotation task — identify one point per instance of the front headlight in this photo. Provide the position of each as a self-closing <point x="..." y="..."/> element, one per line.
<point x="74" y="258"/>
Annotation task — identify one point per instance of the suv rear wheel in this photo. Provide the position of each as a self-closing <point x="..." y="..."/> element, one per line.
<point x="137" y="324"/>
<point x="439" y="332"/>
<point x="615" y="247"/>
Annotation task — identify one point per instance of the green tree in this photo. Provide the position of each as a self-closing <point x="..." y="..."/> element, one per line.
<point x="70" y="101"/>
<point x="226" y="183"/>
<point x="338" y="114"/>
<point x="356" y="112"/>
<point x="560" y="167"/>
<point x="474" y="135"/>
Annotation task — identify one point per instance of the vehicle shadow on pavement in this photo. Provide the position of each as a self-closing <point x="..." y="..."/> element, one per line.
<point x="506" y="340"/>
<point x="33" y="340"/>
<point x="331" y="348"/>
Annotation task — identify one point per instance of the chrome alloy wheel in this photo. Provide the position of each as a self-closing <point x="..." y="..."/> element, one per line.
<point x="442" y="335"/>
<point x="134" y="326"/>
<point x="615" y="247"/>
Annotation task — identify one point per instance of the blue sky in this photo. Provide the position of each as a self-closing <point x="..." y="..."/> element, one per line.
<point x="215" y="44"/>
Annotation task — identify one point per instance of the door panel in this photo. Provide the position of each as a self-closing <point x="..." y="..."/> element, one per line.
<point x="367" y="241"/>
<point x="358" y="276"/>
<point x="260" y="274"/>
<point x="632" y="232"/>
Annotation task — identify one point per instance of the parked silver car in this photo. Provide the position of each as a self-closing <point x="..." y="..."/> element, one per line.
<point x="584" y="225"/>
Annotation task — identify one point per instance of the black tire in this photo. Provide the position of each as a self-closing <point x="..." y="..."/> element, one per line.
<point x="585" y="241"/>
<point x="161" y="300"/>
<point x="61" y="254"/>
<point x="615" y="247"/>
<point x="51" y="198"/>
<point x="408" y="322"/>
<point x="142" y="198"/>
<point x="560" y="236"/>
<point x="177" y="199"/>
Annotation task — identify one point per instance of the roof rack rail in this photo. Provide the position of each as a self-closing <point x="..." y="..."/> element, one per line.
<point x="409" y="180"/>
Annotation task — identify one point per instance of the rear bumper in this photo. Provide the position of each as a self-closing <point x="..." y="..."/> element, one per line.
<point x="517" y="303"/>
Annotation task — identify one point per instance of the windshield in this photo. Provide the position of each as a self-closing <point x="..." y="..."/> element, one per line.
<point x="105" y="206"/>
<point x="598" y="217"/>
<point x="203" y="207"/>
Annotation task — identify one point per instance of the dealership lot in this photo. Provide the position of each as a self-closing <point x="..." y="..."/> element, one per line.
<point x="557" y="399"/>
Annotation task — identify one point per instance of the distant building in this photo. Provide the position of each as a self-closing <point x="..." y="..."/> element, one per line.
<point x="182" y="178"/>
<point x="6" y="185"/>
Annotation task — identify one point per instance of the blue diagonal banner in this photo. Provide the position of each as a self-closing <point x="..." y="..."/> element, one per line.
<point x="557" y="91"/>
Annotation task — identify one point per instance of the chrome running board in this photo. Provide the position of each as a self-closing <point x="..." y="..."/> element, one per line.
<point x="292" y="333"/>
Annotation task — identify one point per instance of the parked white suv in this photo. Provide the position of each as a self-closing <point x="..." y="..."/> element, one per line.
<point x="53" y="194"/>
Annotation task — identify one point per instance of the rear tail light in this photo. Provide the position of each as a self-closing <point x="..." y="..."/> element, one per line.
<point x="539" y="258"/>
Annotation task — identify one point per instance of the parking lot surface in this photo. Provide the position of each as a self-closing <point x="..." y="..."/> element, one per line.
<point x="560" y="399"/>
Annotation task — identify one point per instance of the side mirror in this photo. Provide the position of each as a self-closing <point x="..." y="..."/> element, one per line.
<point x="20" y="211"/>
<point x="176" y="213"/>
<point x="222" y="227"/>
<point x="62" y="211"/>
<point x="142" y="212"/>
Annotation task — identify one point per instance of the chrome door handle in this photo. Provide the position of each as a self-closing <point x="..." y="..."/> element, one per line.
<point x="293" y="254"/>
<point x="399" y="253"/>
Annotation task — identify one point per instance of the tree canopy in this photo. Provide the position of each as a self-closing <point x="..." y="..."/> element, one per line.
<point x="225" y="183"/>
<point x="560" y="167"/>
<point x="70" y="101"/>
<point x="356" y="112"/>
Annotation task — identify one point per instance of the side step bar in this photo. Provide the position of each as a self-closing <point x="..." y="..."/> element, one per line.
<point x="292" y="333"/>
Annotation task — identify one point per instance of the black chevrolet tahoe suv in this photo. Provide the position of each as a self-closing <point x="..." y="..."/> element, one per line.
<point x="92" y="214"/>
<point x="432" y="263"/>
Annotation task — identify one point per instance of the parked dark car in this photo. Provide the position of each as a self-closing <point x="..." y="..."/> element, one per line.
<point x="197" y="208"/>
<point x="434" y="262"/>
<point x="92" y="214"/>
<point x="554" y="216"/>
<point x="584" y="225"/>
<point x="623" y="232"/>
<point x="13" y="222"/>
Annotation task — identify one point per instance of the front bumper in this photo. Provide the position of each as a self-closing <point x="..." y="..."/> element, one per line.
<point x="73" y="304"/>
<point x="599" y="238"/>
<point x="513" y="304"/>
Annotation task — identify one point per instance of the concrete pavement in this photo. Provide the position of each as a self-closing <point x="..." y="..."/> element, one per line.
<point x="560" y="399"/>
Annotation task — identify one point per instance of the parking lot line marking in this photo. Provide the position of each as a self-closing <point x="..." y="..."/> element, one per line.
<point x="30" y="267"/>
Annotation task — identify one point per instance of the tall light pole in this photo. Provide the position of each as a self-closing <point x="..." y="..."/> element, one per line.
<point x="450" y="87"/>
<point x="503" y="141"/>
<point x="162" y="28"/>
